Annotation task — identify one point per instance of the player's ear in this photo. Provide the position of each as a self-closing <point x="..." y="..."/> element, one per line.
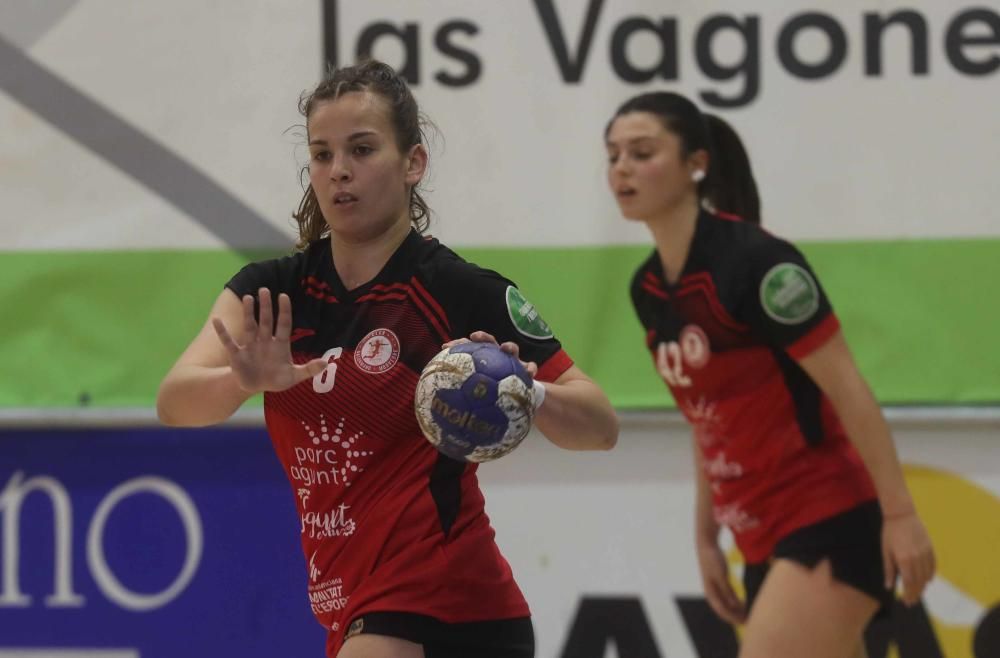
<point x="416" y="164"/>
<point x="698" y="162"/>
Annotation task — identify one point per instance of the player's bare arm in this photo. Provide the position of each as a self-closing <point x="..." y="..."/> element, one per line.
<point x="906" y="546"/>
<point x="712" y="561"/>
<point x="576" y="414"/>
<point x="232" y="358"/>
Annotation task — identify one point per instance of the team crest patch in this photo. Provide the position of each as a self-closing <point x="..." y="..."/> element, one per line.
<point x="525" y="316"/>
<point x="356" y="627"/>
<point x="694" y="346"/>
<point x="377" y="352"/>
<point x="789" y="294"/>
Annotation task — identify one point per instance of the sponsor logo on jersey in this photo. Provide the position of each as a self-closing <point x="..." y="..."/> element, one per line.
<point x="735" y="518"/>
<point x="377" y="352"/>
<point x="328" y="596"/>
<point x="356" y="627"/>
<point x="313" y="571"/>
<point x="525" y="316"/>
<point x="705" y="419"/>
<point x="329" y="524"/>
<point x="789" y="294"/>
<point x="694" y="346"/>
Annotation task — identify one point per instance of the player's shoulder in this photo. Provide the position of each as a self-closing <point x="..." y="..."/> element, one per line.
<point x="432" y="255"/>
<point x="296" y="260"/>
<point x="279" y="271"/>
<point x="734" y="236"/>
<point x="443" y="268"/>
<point x="478" y="298"/>
<point x="732" y="239"/>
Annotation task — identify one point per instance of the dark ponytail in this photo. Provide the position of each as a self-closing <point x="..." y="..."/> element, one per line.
<point x="729" y="186"/>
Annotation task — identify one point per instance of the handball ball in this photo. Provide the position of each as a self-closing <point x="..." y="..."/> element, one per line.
<point x="474" y="402"/>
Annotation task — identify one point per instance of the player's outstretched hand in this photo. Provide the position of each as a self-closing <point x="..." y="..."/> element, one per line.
<point x="907" y="553"/>
<point x="264" y="361"/>
<point x="508" y="347"/>
<point x="718" y="590"/>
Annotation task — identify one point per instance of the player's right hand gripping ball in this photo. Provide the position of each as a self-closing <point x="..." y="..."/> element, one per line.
<point x="474" y="402"/>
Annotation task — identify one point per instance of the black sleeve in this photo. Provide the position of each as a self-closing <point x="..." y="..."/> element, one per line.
<point x="278" y="275"/>
<point x="255" y="276"/>
<point x="496" y="306"/>
<point x="784" y="302"/>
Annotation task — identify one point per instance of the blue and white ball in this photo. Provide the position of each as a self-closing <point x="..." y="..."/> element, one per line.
<point x="474" y="402"/>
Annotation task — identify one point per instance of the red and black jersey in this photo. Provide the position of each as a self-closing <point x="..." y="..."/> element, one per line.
<point x="745" y="308"/>
<point x="389" y="523"/>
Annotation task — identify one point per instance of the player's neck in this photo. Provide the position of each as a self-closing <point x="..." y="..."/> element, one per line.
<point x="359" y="261"/>
<point x="673" y="232"/>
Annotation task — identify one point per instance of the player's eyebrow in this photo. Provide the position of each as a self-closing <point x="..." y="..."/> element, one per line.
<point x="632" y="140"/>
<point x="352" y="137"/>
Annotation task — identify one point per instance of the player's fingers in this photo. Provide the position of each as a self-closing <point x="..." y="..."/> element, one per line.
<point x="922" y="571"/>
<point x="738" y="613"/>
<point x="911" y="592"/>
<point x="714" y="602"/>
<point x="265" y="327"/>
<point x="482" y="337"/>
<point x="888" y="568"/>
<point x="732" y="601"/>
<point x="531" y="367"/>
<point x="224" y="337"/>
<point x="249" y="321"/>
<point x="928" y="563"/>
<point x="911" y="583"/>
<point x="283" y="329"/>
<point x="720" y="582"/>
<point x="309" y="370"/>
<point x="511" y="348"/>
<point x="717" y="601"/>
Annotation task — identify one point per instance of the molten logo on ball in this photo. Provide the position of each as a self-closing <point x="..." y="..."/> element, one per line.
<point x="474" y="402"/>
<point x="466" y="420"/>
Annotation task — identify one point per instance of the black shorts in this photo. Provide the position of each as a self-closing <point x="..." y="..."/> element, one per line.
<point x="851" y="541"/>
<point x="502" y="638"/>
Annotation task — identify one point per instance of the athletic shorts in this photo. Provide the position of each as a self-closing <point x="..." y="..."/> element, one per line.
<point x="851" y="541"/>
<point x="503" y="638"/>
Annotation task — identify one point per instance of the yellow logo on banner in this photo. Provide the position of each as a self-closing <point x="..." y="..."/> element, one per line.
<point x="963" y="520"/>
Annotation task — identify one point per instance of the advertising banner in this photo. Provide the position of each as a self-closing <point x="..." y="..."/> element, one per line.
<point x="150" y="543"/>
<point x="148" y="152"/>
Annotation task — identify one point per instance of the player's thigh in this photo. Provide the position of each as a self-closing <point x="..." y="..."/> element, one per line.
<point x="379" y="646"/>
<point x="806" y="612"/>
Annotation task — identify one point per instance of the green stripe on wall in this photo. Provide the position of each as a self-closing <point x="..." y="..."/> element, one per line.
<point x="921" y="317"/>
<point x="101" y="329"/>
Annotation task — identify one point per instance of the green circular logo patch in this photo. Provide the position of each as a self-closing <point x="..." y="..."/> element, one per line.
<point x="525" y="317"/>
<point x="789" y="294"/>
